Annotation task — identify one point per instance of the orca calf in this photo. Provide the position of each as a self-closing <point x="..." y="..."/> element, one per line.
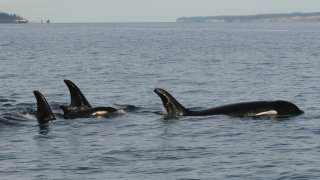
<point x="80" y="107"/>
<point x="44" y="113"/>
<point x="245" y="109"/>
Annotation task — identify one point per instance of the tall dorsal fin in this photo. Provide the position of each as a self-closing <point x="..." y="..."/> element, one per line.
<point x="44" y="113"/>
<point x="77" y="98"/>
<point x="172" y="106"/>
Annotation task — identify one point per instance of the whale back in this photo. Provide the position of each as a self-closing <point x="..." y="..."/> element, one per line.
<point x="78" y="100"/>
<point x="172" y="106"/>
<point x="243" y="109"/>
<point x="44" y="113"/>
<point x="87" y="113"/>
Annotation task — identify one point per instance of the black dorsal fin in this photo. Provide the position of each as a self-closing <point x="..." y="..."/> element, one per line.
<point x="77" y="98"/>
<point x="172" y="106"/>
<point x="44" y="113"/>
<point x="66" y="110"/>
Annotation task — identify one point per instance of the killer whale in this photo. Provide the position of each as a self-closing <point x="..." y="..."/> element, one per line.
<point x="244" y="109"/>
<point x="79" y="106"/>
<point x="87" y="113"/>
<point x="44" y="113"/>
<point x="78" y="100"/>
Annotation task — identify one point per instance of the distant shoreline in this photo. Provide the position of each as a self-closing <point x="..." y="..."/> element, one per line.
<point x="11" y="18"/>
<point x="286" y="17"/>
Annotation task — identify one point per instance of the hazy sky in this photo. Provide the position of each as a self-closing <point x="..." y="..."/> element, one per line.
<point x="147" y="10"/>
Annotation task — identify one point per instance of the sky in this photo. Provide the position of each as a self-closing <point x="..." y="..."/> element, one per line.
<point x="147" y="10"/>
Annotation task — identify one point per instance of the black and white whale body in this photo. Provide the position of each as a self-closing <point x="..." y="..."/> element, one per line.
<point x="87" y="113"/>
<point x="44" y="113"/>
<point x="245" y="109"/>
<point x="80" y="107"/>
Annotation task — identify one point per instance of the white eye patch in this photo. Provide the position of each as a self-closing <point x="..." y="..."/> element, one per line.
<point x="100" y="113"/>
<point x="271" y="112"/>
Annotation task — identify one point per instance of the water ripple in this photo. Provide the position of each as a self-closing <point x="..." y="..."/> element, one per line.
<point x="203" y="65"/>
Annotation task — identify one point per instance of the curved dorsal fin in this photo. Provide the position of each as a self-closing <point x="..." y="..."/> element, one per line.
<point x="77" y="98"/>
<point x="44" y="113"/>
<point x="172" y="106"/>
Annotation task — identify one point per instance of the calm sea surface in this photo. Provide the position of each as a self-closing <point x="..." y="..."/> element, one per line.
<point x="202" y="65"/>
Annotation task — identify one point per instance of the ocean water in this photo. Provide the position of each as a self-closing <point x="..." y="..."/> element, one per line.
<point x="202" y="65"/>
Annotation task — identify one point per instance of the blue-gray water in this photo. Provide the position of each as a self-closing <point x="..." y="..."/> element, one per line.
<point x="202" y="65"/>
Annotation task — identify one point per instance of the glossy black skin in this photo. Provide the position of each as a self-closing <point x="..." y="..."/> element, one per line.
<point x="87" y="113"/>
<point x="44" y="113"/>
<point x="78" y="100"/>
<point x="80" y="107"/>
<point x="245" y="109"/>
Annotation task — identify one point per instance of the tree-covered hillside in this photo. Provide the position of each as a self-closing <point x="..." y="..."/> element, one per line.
<point x="11" y="18"/>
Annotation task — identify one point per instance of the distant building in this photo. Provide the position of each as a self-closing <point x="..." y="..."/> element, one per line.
<point x="18" y="21"/>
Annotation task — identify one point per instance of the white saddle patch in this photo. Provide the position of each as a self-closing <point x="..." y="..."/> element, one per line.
<point x="100" y="113"/>
<point x="271" y="112"/>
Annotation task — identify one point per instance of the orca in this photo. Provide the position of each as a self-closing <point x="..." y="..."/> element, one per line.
<point x="244" y="109"/>
<point x="44" y="113"/>
<point x="79" y="106"/>
<point x="87" y="113"/>
<point x="78" y="100"/>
